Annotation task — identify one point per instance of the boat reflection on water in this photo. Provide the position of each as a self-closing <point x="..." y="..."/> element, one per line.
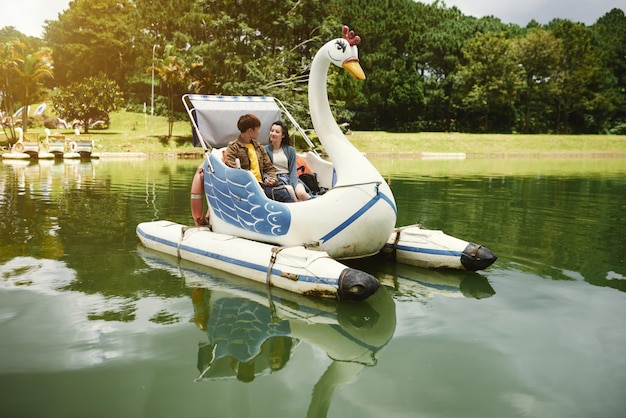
<point x="44" y="176"/>
<point x="416" y="282"/>
<point x="244" y="340"/>
<point x="252" y="333"/>
<point x="43" y="187"/>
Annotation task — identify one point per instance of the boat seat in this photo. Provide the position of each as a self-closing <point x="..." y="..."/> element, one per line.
<point x="84" y="145"/>
<point x="56" y="145"/>
<point x="31" y="137"/>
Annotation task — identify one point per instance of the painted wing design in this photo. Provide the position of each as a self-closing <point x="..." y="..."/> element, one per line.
<point x="238" y="199"/>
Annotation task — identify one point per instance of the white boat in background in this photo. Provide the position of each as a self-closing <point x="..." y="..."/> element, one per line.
<point x="81" y="146"/>
<point x="355" y="218"/>
<point x="21" y="150"/>
<point x="52" y="147"/>
<point x="15" y="155"/>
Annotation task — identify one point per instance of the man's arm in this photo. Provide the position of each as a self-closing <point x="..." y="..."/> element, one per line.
<point x="231" y="154"/>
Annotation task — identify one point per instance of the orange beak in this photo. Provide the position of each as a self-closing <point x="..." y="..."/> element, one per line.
<point x="354" y="68"/>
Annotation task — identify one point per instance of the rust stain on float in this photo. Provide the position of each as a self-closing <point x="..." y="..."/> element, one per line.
<point x="321" y="293"/>
<point x="290" y="276"/>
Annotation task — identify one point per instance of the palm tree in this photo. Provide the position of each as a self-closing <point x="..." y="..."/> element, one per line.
<point x="172" y="70"/>
<point x="9" y="61"/>
<point x="33" y="68"/>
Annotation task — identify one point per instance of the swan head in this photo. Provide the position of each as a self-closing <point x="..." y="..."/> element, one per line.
<point x="343" y="53"/>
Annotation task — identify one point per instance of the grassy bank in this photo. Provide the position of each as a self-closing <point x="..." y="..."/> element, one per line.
<point x="136" y="132"/>
<point x="488" y="144"/>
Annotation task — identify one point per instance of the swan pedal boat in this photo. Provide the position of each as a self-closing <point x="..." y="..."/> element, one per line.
<point x="354" y="218"/>
<point x="21" y="150"/>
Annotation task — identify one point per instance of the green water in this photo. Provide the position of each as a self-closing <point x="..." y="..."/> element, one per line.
<point x="93" y="325"/>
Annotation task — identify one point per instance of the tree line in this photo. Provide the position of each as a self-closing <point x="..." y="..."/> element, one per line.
<point x="428" y="66"/>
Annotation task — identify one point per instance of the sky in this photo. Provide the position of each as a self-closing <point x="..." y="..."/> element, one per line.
<point x="543" y="11"/>
<point x="28" y="16"/>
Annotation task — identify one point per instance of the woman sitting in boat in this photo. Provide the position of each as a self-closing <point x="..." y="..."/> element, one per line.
<point x="245" y="152"/>
<point x="283" y="156"/>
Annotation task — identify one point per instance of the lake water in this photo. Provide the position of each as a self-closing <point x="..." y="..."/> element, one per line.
<point x="94" y="325"/>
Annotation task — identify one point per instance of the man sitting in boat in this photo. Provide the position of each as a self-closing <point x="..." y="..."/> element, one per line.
<point x="245" y="152"/>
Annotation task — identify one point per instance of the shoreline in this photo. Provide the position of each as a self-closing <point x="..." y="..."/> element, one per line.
<point x="191" y="155"/>
<point x="488" y="155"/>
<point x="187" y="155"/>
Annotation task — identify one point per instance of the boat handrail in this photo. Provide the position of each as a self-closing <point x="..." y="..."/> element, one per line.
<point x="191" y="110"/>
<point x="297" y="126"/>
<point x="365" y="183"/>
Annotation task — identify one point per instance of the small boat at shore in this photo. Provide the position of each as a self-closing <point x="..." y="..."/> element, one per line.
<point x="14" y="155"/>
<point x="52" y="147"/>
<point x="21" y="150"/>
<point x="80" y="148"/>
<point x="354" y="218"/>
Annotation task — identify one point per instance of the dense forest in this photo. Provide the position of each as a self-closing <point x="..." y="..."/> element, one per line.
<point x="428" y="66"/>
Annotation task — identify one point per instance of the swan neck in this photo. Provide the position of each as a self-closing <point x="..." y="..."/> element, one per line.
<point x="321" y="116"/>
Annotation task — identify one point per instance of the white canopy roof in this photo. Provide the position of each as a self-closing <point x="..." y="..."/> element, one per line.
<point x="217" y="116"/>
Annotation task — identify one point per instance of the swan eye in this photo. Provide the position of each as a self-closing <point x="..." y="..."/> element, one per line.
<point x="341" y="45"/>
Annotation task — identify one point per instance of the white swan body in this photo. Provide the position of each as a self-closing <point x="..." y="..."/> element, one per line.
<point x="353" y="219"/>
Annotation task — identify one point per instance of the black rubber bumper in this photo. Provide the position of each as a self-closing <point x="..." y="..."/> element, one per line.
<point x="476" y="257"/>
<point x="356" y="285"/>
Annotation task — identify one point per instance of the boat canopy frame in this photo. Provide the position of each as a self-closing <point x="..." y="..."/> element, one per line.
<point x="214" y="118"/>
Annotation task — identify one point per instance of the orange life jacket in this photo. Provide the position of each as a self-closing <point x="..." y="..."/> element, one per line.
<point x="301" y="166"/>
